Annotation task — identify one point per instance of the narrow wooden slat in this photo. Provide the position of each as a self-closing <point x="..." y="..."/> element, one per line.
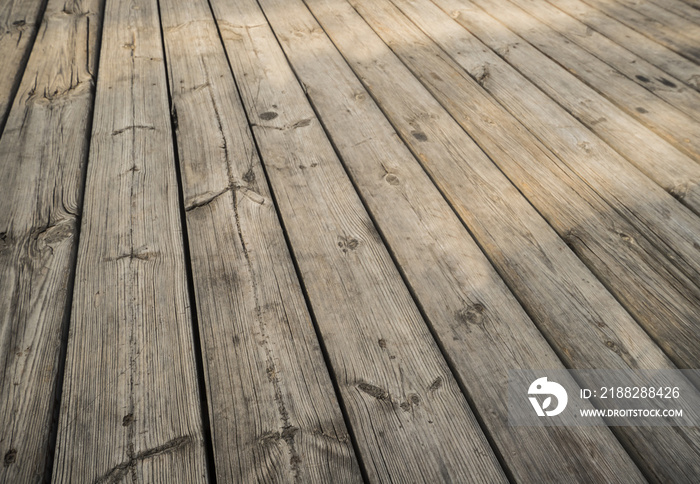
<point x="668" y="122"/>
<point x="276" y="417"/>
<point x="18" y="25"/>
<point x="662" y="57"/>
<point x="634" y="67"/>
<point x="479" y="324"/>
<point x="381" y="352"/>
<point x="650" y="27"/>
<point x="557" y="318"/>
<point x="42" y="158"/>
<point x="130" y="407"/>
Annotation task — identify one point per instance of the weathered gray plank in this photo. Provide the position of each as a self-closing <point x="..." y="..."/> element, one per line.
<point x="381" y="352"/>
<point x="276" y="416"/>
<point x="651" y="27"/>
<point x="536" y="273"/>
<point x="42" y="158"/>
<point x="671" y="124"/>
<point x="662" y="57"/>
<point x="633" y="66"/>
<point x="130" y="406"/>
<point x="18" y="26"/>
<point x="481" y="327"/>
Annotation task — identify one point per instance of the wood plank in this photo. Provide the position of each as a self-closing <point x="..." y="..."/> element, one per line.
<point x="662" y="57"/>
<point x="440" y="261"/>
<point x="644" y="444"/>
<point x="42" y="159"/>
<point x="130" y="407"/>
<point x="655" y="214"/>
<point x="357" y="294"/>
<point x="277" y="418"/>
<point x="650" y="27"/>
<point x="634" y="67"/>
<point x="677" y="128"/>
<point x="664" y="164"/>
<point x="19" y="20"/>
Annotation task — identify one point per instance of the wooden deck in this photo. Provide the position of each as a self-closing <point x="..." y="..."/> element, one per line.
<point x="305" y="240"/>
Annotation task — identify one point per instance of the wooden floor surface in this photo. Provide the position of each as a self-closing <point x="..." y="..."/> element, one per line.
<point x="306" y="240"/>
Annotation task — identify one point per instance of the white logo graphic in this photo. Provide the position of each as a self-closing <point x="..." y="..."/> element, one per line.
<point x="543" y="387"/>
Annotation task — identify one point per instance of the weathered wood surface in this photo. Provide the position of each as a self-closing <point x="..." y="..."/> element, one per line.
<point x="679" y="24"/>
<point x="275" y="414"/>
<point x="42" y="157"/>
<point x="679" y="8"/>
<point x="586" y="222"/>
<point x="662" y="57"/>
<point x="130" y="407"/>
<point x="693" y="3"/>
<point x="600" y="167"/>
<point x="563" y="333"/>
<point x="478" y="323"/>
<point x="651" y="27"/>
<point x="19" y="20"/>
<point x="655" y="214"/>
<point x="671" y="169"/>
<point x="633" y="66"/>
<point x="380" y="350"/>
<point x="670" y="123"/>
<point x="373" y="237"/>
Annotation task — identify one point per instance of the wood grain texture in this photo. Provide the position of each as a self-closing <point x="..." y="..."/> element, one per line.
<point x="671" y="169"/>
<point x="655" y="214"/>
<point x="480" y="326"/>
<point x="275" y="414"/>
<point x="356" y="292"/>
<point x="677" y="23"/>
<point x="19" y="20"/>
<point x="130" y="407"/>
<point x="662" y="57"/>
<point x="651" y="27"/>
<point x="681" y="8"/>
<point x="586" y="221"/>
<point x="631" y="65"/>
<point x="676" y="127"/>
<point x="604" y="170"/>
<point x="42" y="157"/>
<point x="576" y="310"/>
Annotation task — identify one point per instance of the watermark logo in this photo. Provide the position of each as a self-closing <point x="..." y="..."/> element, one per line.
<point x="543" y="387"/>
